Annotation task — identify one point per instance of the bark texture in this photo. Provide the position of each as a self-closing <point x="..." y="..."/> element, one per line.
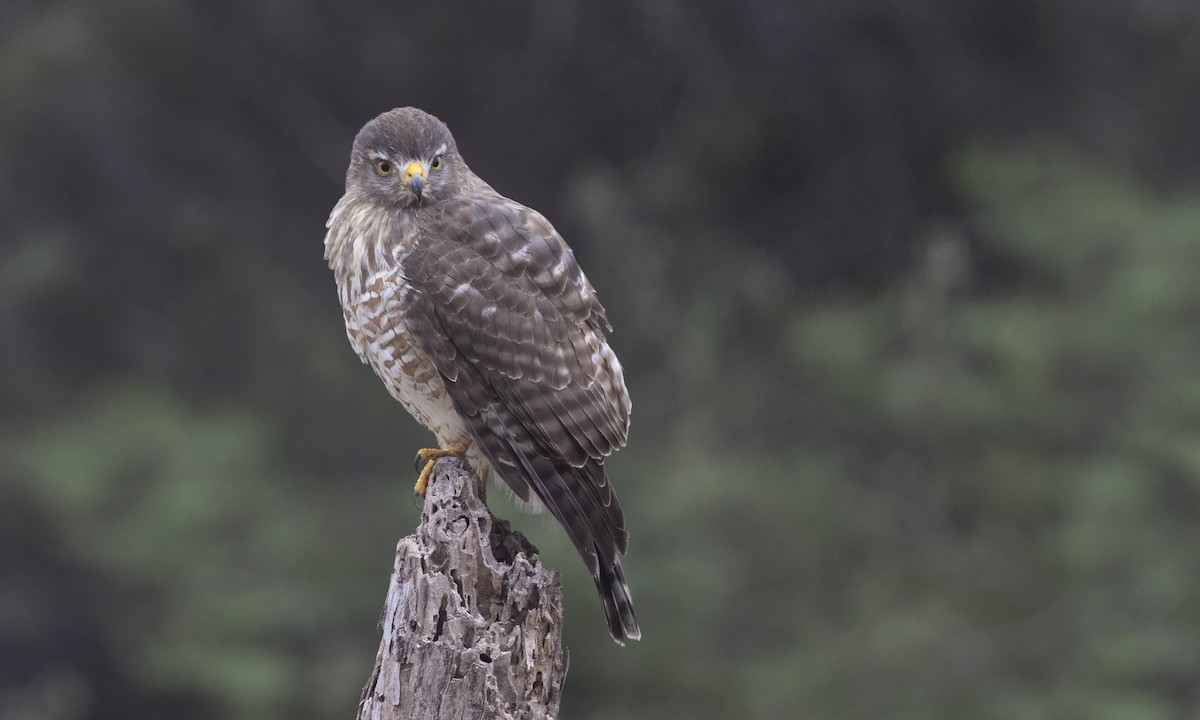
<point x="472" y="623"/>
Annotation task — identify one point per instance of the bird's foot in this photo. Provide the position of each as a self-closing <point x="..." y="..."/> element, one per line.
<point x="428" y="457"/>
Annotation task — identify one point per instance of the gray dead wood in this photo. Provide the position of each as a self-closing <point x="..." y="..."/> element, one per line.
<point x="472" y="623"/>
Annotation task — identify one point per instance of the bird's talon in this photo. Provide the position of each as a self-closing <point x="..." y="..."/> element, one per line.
<point x="423" y="479"/>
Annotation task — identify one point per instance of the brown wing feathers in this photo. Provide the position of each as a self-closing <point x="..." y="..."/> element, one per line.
<point x="519" y="339"/>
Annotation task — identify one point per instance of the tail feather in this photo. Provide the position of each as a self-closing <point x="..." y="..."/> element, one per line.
<point x="618" y="605"/>
<point x="593" y="521"/>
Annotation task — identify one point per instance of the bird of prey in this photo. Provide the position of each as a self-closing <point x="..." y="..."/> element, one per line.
<point x="475" y="314"/>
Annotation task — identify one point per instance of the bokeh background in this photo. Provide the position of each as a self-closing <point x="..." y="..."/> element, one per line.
<point x="908" y="292"/>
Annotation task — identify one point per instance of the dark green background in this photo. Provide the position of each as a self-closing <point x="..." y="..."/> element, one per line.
<point x="908" y="294"/>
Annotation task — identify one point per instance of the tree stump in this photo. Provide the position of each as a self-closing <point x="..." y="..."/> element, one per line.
<point x="472" y="622"/>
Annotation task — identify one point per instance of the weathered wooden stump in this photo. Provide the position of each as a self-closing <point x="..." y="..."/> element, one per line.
<point x="472" y="622"/>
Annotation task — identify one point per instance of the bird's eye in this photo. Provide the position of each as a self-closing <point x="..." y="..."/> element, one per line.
<point x="436" y="164"/>
<point x="383" y="167"/>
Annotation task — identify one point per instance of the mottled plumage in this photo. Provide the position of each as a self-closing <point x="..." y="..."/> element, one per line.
<point x="475" y="314"/>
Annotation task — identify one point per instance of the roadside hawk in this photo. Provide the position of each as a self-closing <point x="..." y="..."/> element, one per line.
<point x="473" y="311"/>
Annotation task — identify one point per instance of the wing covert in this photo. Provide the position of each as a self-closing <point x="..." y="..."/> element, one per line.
<point x="503" y="294"/>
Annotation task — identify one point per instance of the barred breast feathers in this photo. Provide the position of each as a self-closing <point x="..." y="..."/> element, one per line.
<point x="361" y="248"/>
<point x="360" y="237"/>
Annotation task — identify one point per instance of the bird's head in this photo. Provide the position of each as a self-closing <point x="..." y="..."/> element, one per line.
<point x="403" y="158"/>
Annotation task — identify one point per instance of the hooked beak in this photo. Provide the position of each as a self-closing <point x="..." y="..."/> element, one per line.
<point x="414" y="178"/>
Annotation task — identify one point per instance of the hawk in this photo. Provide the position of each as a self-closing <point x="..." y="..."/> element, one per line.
<point x="475" y="314"/>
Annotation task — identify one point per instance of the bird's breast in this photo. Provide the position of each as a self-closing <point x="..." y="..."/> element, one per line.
<point x="375" y="300"/>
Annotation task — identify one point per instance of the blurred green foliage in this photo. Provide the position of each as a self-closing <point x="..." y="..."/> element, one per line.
<point x="999" y="517"/>
<point x="907" y="296"/>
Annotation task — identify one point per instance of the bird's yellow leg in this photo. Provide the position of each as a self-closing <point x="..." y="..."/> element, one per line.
<point x="430" y="456"/>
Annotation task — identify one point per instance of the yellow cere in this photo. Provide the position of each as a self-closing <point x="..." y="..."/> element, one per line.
<point x="414" y="168"/>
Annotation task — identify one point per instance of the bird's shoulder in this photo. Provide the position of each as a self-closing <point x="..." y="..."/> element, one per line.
<point x="507" y="252"/>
